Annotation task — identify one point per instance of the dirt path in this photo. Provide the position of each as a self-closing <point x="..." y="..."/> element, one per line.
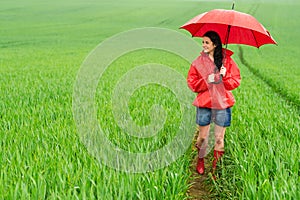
<point x="200" y="186"/>
<point x="200" y="189"/>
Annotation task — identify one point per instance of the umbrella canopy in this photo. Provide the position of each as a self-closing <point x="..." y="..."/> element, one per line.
<point x="233" y="27"/>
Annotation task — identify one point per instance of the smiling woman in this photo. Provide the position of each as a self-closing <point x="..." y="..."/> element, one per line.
<point x="213" y="101"/>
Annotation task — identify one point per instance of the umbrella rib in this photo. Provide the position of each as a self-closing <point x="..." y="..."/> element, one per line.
<point x="198" y="28"/>
<point x="255" y="39"/>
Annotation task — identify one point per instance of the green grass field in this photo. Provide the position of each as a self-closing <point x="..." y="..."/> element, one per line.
<point x="42" y="47"/>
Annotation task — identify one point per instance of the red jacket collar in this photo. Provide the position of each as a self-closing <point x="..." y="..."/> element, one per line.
<point x="227" y="52"/>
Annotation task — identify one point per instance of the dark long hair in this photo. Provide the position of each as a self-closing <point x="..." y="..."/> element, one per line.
<point x="218" y="55"/>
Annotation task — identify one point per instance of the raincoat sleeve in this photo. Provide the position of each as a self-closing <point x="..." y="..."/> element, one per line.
<point x="232" y="78"/>
<point x="195" y="81"/>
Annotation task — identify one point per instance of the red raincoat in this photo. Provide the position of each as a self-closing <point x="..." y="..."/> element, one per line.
<point x="215" y="96"/>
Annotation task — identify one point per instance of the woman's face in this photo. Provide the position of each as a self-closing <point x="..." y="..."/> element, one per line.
<point x="208" y="46"/>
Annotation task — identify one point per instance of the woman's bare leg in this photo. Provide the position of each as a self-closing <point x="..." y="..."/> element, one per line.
<point x="219" y="137"/>
<point x="201" y="144"/>
<point x="219" y="147"/>
<point x="202" y="140"/>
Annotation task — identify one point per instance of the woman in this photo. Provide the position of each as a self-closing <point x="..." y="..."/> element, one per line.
<point x="213" y="75"/>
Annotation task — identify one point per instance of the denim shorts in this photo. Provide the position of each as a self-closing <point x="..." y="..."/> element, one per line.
<point x="220" y="117"/>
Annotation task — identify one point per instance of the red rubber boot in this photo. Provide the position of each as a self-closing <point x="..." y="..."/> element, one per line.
<point x="200" y="166"/>
<point x="201" y="153"/>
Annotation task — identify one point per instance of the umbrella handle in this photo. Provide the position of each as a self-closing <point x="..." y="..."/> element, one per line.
<point x="219" y="81"/>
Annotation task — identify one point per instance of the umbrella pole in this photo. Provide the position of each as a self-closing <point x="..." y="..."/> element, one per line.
<point x="228" y="29"/>
<point x="226" y="43"/>
<point x="227" y="35"/>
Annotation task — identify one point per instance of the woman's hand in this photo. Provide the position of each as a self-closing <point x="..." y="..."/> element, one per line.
<point x="223" y="71"/>
<point x="211" y="78"/>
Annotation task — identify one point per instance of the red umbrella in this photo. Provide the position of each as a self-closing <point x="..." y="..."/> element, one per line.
<point x="233" y="27"/>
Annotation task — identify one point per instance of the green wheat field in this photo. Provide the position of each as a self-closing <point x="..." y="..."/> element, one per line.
<point x="42" y="47"/>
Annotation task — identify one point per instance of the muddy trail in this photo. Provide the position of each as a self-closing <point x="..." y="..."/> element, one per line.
<point x="201" y="185"/>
